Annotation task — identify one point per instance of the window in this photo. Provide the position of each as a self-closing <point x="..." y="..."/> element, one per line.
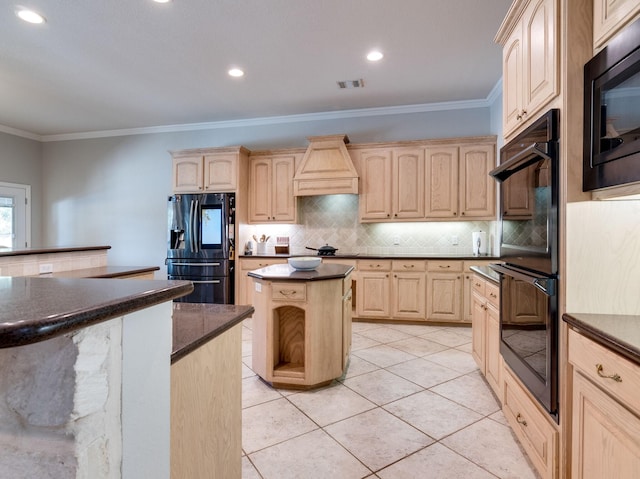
<point x="15" y="215"/>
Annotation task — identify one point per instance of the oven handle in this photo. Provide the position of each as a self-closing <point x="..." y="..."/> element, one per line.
<point x="543" y="283"/>
<point x="215" y="281"/>
<point x="521" y="160"/>
<point x="196" y="264"/>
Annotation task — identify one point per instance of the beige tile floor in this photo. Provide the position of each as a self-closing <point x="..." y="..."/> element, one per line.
<point x="412" y="404"/>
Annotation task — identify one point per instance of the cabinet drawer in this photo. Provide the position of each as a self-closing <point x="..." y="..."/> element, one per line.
<point x="289" y="291"/>
<point x="251" y="264"/>
<point x="532" y="427"/>
<point x="444" y="266"/>
<point x="408" y="266"/>
<point x="478" y="285"/>
<point x="492" y="293"/>
<point x="616" y="375"/>
<point x="374" y="265"/>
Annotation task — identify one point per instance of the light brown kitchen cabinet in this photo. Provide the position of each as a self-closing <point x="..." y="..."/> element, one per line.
<point x="244" y="294"/>
<point x="408" y="291"/>
<point x="374" y="289"/>
<point x="444" y="291"/>
<point x="374" y="201"/>
<point x="200" y="172"/>
<point x="407" y="178"/>
<point x="485" y="344"/>
<point x="610" y="16"/>
<point x="206" y="398"/>
<point x="605" y="412"/>
<point x="468" y="286"/>
<point x="271" y="196"/>
<point x="529" y="38"/>
<point x="517" y="195"/>
<point x="458" y="185"/>
<point x="441" y="185"/>
<point x="532" y="426"/>
<point x="476" y="188"/>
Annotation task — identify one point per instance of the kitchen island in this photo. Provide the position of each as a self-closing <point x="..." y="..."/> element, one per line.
<point x="73" y="352"/>
<point x="302" y="324"/>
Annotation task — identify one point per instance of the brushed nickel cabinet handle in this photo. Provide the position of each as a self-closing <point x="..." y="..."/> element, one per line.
<point x="521" y="420"/>
<point x="615" y="377"/>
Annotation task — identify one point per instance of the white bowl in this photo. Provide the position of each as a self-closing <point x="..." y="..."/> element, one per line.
<point x="305" y="263"/>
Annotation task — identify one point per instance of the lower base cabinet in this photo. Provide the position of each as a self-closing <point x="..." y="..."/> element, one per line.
<point x="534" y="429"/>
<point x="606" y="412"/>
<point x="206" y="410"/>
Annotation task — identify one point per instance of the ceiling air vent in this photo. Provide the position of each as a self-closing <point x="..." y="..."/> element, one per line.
<point x="351" y="83"/>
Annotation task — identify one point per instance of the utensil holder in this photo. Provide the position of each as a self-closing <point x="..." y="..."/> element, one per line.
<point x="261" y="248"/>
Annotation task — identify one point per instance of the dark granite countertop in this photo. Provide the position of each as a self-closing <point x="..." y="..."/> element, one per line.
<point x="194" y="324"/>
<point x="486" y="273"/>
<point x="63" y="249"/>
<point x="35" y="309"/>
<point x="621" y="333"/>
<point x="284" y="272"/>
<point x="102" y="272"/>
<point x="468" y="257"/>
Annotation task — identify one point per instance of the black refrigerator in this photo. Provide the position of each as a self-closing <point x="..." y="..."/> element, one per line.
<point x="201" y="244"/>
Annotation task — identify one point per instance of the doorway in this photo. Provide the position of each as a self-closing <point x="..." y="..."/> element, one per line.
<point x="15" y="216"/>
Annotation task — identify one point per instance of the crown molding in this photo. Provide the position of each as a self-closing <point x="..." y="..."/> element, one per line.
<point x="274" y="120"/>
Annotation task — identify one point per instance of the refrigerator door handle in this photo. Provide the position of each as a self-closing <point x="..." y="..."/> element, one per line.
<point x="214" y="281"/>
<point x="195" y="264"/>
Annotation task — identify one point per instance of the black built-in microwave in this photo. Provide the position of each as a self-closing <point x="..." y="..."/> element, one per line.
<point x="612" y="113"/>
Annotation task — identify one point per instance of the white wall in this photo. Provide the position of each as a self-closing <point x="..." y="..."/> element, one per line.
<point x="21" y="162"/>
<point x="113" y="190"/>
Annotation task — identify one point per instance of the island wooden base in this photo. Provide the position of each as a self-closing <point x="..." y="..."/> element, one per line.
<point x="301" y="331"/>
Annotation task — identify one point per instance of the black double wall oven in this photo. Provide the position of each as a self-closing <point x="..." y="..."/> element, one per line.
<point x="529" y="192"/>
<point x="200" y="245"/>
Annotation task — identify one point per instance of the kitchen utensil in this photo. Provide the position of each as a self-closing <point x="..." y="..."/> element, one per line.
<point x="304" y="263"/>
<point x="325" y="250"/>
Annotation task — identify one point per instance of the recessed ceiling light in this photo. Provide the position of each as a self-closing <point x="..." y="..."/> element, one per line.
<point x="374" y="56"/>
<point x="236" y="72"/>
<point x="162" y="1"/>
<point x="30" y="16"/>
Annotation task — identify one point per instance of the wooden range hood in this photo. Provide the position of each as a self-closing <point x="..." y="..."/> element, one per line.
<point x="326" y="168"/>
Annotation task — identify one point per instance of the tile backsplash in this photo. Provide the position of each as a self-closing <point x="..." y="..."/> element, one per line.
<point x="333" y="220"/>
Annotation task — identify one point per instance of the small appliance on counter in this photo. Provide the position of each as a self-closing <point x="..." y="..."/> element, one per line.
<point x="479" y="243"/>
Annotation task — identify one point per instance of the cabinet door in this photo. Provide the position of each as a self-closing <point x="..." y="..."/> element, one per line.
<point x="493" y="360"/>
<point x="283" y="203"/>
<point x="375" y="199"/>
<point x="477" y="188"/>
<point x="260" y="190"/>
<point x="444" y="296"/>
<point x="517" y="195"/>
<point x="220" y="172"/>
<point x="606" y="435"/>
<point x="441" y="184"/>
<point x="512" y="81"/>
<point x="478" y="329"/>
<point x="609" y="16"/>
<point x="540" y="56"/>
<point x="347" y="308"/>
<point x="408" y="295"/>
<point x="408" y="183"/>
<point x="373" y="294"/>
<point x="187" y="174"/>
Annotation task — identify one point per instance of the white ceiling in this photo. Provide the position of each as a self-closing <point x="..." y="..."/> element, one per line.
<point x="126" y="64"/>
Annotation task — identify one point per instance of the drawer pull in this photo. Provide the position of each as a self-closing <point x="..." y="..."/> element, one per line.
<point x="478" y="285"/>
<point x="615" y="377"/>
<point x="444" y="267"/>
<point x="287" y="292"/>
<point x="493" y="295"/>
<point x="521" y="420"/>
<point x="409" y="266"/>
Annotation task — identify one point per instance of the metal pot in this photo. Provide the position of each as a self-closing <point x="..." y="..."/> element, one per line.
<point x="325" y="250"/>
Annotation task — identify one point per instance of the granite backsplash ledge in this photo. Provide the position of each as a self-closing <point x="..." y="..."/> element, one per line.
<point x="333" y="220"/>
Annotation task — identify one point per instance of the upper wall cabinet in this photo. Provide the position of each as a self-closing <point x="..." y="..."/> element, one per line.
<point x="458" y="185"/>
<point x="609" y="16"/>
<point x="206" y="171"/>
<point x="529" y="39"/>
<point x="271" y="196"/>
<point x="427" y="181"/>
<point x="392" y="184"/>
